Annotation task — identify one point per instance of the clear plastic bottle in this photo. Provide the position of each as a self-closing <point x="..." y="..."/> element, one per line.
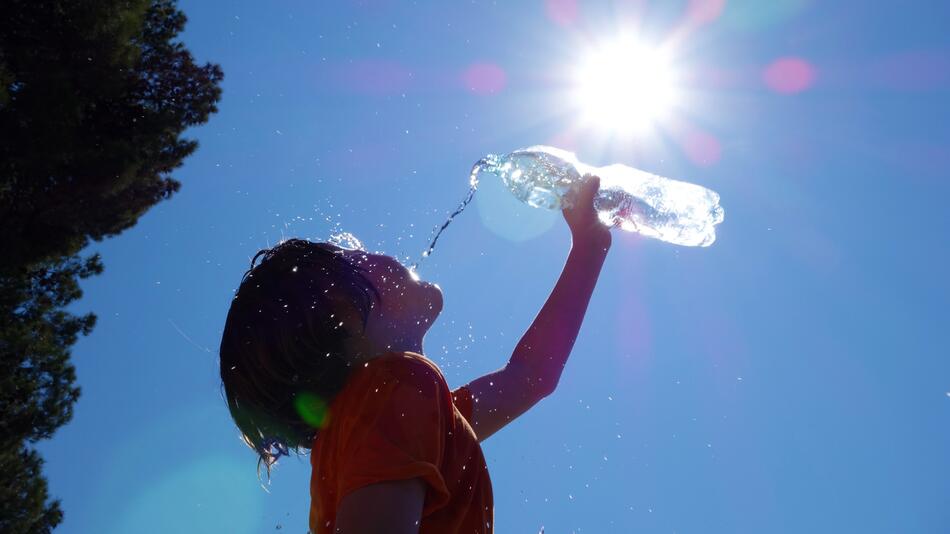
<point x="636" y="201"/>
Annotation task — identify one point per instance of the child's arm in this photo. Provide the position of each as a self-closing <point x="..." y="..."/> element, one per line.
<point x="533" y="371"/>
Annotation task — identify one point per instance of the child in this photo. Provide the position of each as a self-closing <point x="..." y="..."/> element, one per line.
<point x="322" y="350"/>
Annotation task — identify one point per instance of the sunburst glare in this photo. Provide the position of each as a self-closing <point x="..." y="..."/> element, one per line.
<point x="625" y="87"/>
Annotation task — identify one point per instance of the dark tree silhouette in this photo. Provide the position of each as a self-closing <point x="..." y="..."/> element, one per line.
<point x="94" y="96"/>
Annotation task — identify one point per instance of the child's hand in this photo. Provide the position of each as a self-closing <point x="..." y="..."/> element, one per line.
<point x="581" y="217"/>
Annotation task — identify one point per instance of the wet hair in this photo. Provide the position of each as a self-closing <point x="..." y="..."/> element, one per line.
<point x="282" y="349"/>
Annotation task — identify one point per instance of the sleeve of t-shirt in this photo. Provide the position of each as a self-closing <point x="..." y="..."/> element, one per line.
<point x="462" y="398"/>
<point x="400" y="431"/>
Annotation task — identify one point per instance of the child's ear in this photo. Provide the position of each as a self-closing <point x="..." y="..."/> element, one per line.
<point x="345" y="312"/>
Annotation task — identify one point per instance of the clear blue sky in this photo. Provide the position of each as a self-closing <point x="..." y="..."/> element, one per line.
<point x="793" y="377"/>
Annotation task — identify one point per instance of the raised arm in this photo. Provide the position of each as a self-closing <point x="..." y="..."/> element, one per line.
<point x="535" y="367"/>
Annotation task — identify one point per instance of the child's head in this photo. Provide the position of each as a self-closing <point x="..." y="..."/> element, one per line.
<point x="301" y="319"/>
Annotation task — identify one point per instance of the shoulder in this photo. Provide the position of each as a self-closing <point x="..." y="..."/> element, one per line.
<point x="406" y="367"/>
<point x="402" y="390"/>
<point x="394" y="375"/>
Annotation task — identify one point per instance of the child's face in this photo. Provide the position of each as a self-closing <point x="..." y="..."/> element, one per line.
<point x="408" y="306"/>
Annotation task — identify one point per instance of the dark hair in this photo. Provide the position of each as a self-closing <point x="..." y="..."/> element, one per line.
<point x="282" y="349"/>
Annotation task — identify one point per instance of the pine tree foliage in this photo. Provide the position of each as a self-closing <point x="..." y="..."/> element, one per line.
<point x="94" y="98"/>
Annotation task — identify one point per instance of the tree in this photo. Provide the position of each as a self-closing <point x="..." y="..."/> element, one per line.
<point x="94" y="97"/>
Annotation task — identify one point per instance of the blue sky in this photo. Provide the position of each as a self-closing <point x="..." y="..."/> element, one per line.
<point x="793" y="377"/>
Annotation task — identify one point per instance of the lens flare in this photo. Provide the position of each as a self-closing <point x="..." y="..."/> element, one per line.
<point x="561" y="12"/>
<point x="484" y="78"/>
<point x="789" y="75"/>
<point x="312" y="409"/>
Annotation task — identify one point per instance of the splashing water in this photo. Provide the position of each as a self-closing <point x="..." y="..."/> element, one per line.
<point x="473" y="186"/>
<point x="346" y="240"/>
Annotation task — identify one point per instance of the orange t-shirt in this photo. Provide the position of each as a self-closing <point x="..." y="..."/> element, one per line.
<point x="396" y="419"/>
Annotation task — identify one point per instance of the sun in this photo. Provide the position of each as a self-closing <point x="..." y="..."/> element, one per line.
<point x="624" y="87"/>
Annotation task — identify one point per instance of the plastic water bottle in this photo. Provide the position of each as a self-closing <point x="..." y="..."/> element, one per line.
<point x="636" y="201"/>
